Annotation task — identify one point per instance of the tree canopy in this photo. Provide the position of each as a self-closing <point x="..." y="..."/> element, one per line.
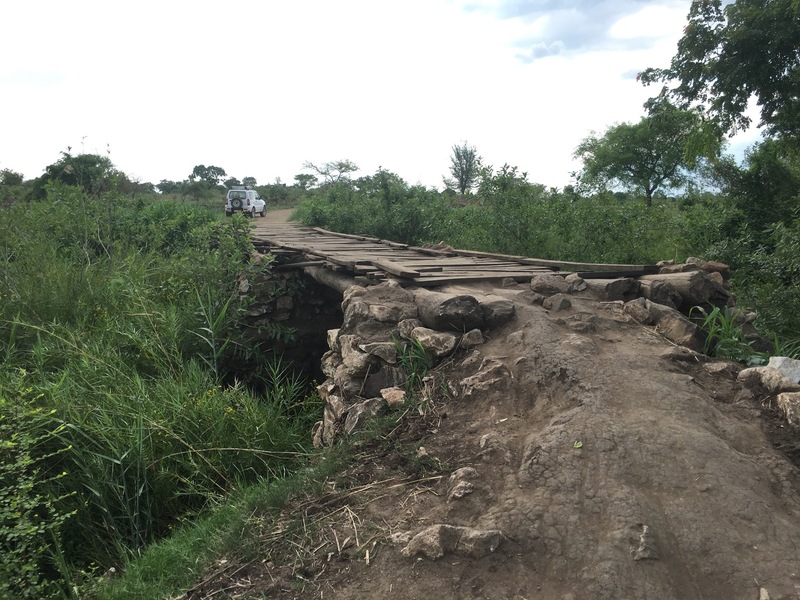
<point x="728" y="55"/>
<point x="210" y="174"/>
<point x="465" y="165"/>
<point x="333" y="171"/>
<point x="648" y="155"/>
<point x="91" y="172"/>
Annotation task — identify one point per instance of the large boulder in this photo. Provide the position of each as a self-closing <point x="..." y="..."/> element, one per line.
<point x="667" y="321"/>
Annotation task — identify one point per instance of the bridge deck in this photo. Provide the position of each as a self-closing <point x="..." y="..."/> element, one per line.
<point x="376" y="259"/>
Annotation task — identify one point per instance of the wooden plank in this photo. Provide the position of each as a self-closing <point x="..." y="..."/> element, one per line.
<point x="343" y="235"/>
<point x="433" y="251"/>
<point x="558" y="264"/>
<point x="431" y="269"/>
<point x="300" y="265"/>
<point x="613" y="274"/>
<point x="359" y="237"/>
<point x="395" y="268"/>
<point x="431" y="281"/>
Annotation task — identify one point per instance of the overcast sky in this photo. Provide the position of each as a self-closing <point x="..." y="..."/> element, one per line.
<point x="260" y="87"/>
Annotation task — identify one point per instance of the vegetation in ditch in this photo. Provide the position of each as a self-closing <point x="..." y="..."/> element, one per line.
<point x="118" y="321"/>
<point x="725" y="337"/>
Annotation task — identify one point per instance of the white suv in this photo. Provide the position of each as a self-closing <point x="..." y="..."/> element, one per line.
<point x="246" y="200"/>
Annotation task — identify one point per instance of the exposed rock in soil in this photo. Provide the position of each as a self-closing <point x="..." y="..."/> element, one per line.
<point x="588" y="453"/>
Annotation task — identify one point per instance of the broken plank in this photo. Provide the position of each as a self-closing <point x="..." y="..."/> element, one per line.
<point x="394" y="268"/>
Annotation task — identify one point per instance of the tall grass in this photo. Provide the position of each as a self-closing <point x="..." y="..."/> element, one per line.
<point x="117" y="323"/>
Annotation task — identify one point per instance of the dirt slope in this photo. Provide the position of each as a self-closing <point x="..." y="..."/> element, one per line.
<point x="612" y="464"/>
<point x="611" y="467"/>
<point x="661" y="447"/>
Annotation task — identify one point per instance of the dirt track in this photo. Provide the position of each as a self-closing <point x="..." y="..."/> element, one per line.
<point x="277" y="216"/>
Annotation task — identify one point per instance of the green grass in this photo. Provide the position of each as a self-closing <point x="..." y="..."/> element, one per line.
<point x="124" y="350"/>
<point x="226" y="530"/>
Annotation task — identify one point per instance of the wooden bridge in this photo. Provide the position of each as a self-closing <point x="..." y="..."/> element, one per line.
<point x="372" y="259"/>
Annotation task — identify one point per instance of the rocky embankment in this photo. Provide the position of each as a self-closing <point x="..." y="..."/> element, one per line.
<point x="593" y="451"/>
<point x="580" y="444"/>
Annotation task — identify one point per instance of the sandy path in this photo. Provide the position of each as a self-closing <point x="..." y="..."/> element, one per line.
<point x="278" y="216"/>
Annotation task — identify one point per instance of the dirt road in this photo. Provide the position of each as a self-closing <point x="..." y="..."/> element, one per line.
<point x="278" y="216"/>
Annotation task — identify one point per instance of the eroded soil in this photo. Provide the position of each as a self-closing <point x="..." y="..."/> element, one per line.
<point x="615" y="466"/>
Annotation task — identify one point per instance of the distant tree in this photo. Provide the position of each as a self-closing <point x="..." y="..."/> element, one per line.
<point x="231" y="181"/>
<point x="9" y="177"/>
<point x="465" y="166"/>
<point x="249" y="181"/>
<point x="305" y="181"/>
<point x="655" y="152"/>
<point x="748" y="48"/>
<point x="333" y="171"/>
<point x="211" y="175"/>
<point x="166" y="186"/>
<point x="91" y="172"/>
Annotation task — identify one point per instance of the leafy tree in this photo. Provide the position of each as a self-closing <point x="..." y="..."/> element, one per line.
<point x="91" y="172"/>
<point x="231" y="181"/>
<point x="249" y="181"/>
<point x="465" y="165"/>
<point x="766" y="190"/>
<point x="9" y="177"/>
<point x="655" y="152"/>
<point x="333" y="171"/>
<point x="165" y="186"/>
<point x="210" y="174"/>
<point x="730" y="54"/>
<point x="305" y="181"/>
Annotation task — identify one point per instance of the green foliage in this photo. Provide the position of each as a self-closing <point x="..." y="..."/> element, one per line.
<point x="414" y="361"/>
<point x="725" y="338"/>
<point x="465" y="165"/>
<point x="334" y="171"/>
<point x="767" y="189"/>
<point x="32" y="513"/>
<point x="92" y="173"/>
<point x="10" y="178"/>
<point x="655" y="153"/>
<point x="210" y="175"/>
<point x="124" y="352"/>
<point x="305" y="181"/>
<point x="729" y="54"/>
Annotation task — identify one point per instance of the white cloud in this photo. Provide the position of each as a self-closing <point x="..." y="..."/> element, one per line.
<point x="650" y="22"/>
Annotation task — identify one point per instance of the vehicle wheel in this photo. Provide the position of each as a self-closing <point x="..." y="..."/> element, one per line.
<point x="264" y="212"/>
<point x="236" y="203"/>
<point x="252" y="213"/>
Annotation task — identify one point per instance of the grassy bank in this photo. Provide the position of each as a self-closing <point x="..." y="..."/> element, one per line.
<point x="117" y="321"/>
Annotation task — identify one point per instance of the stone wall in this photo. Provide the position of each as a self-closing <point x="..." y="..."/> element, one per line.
<point x="363" y="365"/>
<point x="288" y="298"/>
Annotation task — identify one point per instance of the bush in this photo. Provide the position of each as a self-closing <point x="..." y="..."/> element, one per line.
<point x="120" y="429"/>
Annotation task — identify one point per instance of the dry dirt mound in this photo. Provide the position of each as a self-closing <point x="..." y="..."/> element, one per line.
<point x="598" y="461"/>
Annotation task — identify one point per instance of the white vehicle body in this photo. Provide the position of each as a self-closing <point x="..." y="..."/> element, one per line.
<point x="246" y="200"/>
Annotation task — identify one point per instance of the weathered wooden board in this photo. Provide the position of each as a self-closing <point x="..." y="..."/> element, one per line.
<point x="376" y="259"/>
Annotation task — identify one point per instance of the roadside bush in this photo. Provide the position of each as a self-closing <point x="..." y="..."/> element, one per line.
<point x="32" y="513"/>
<point x="119" y="429"/>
